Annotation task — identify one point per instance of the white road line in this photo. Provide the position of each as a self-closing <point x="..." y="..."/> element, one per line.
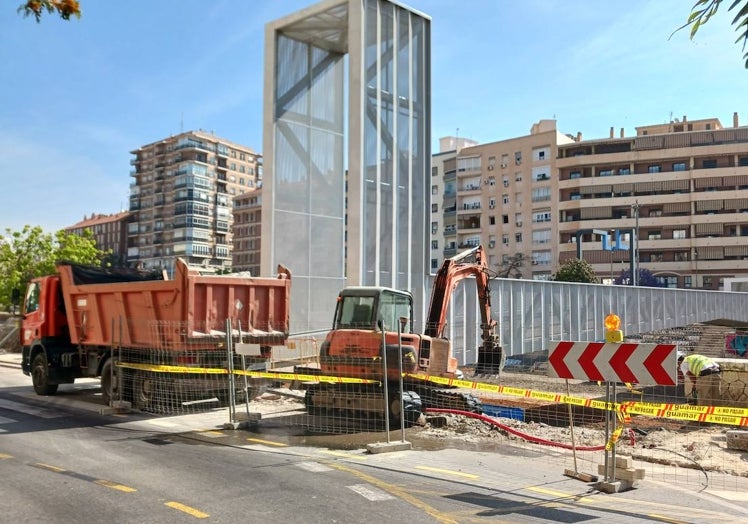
<point x="30" y="410"/>
<point x="370" y="493"/>
<point x="314" y="467"/>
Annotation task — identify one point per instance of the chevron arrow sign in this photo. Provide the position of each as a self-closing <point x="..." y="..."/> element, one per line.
<point x="647" y="364"/>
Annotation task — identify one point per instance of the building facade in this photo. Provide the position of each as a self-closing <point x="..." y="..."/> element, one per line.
<point x="182" y="199"/>
<point x="444" y="199"/>
<point x="505" y="198"/>
<point x="109" y="232"/>
<point x="683" y="186"/>
<point x="347" y="89"/>
<point x="246" y="232"/>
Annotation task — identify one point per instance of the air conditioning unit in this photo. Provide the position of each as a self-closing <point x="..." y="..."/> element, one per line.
<point x="519" y="223"/>
<point x="491" y="206"/>
<point x="503" y="165"/>
<point x="534" y="262"/>
<point x="490" y="167"/>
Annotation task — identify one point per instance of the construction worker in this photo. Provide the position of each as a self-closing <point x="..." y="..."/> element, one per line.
<point x="703" y="378"/>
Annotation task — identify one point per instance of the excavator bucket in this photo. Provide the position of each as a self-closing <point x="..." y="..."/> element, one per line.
<point x="491" y="359"/>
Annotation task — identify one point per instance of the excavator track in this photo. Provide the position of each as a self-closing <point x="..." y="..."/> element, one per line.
<point x="365" y="401"/>
<point x="445" y="398"/>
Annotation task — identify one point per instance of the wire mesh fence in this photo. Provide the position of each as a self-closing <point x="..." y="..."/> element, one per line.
<point x="652" y="431"/>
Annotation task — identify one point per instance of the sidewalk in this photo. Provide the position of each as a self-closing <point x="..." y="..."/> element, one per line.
<point x="10" y="360"/>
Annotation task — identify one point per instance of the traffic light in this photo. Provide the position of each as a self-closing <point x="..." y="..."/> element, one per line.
<point x="613" y="333"/>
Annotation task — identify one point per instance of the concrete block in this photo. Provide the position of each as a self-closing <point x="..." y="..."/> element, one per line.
<point x="614" y="487"/>
<point x="628" y="474"/>
<point x="386" y="447"/>
<point x="624" y="462"/>
<point x="737" y="439"/>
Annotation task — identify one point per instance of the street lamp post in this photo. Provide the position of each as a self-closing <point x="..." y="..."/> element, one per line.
<point x="635" y="245"/>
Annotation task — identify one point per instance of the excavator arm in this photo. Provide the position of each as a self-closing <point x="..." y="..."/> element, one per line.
<point x="469" y="263"/>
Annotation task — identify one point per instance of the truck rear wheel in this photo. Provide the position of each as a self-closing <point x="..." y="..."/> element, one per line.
<point x="143" y="389"/>
<point x="40" y="376"/>
<point x="109" y="382"/>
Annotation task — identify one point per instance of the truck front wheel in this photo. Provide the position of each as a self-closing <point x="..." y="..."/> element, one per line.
<point x="40" y="376"/>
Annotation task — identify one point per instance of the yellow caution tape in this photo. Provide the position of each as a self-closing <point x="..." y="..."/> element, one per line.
<point x="254" y="374"/>
<point x="712" y="414"/>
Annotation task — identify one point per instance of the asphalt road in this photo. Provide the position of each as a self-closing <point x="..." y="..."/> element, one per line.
<point x="61" y="460"/>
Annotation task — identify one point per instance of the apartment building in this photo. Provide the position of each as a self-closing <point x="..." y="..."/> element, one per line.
<point x="246" y="231"/>
<point x="444" y="199"/>
<point x="181" y="199"/>
<point x="683" y="186"/>
<point x="109" y="232"/>
<point x="506" y="198"/>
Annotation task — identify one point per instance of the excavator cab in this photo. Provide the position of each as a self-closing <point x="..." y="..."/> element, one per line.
<point x="372" y="308"/>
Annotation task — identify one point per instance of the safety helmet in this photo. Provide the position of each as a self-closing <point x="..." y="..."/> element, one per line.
<point x="681" y="355"/>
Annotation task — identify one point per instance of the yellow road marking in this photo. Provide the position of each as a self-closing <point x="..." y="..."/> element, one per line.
<point x="396" y="491"/>
<point x="51" y="468"/>
<point x="268" y="442"/>
<point x="449" y="472"/>
<point x="666" y="519"/>
<point x="211" y="433"/>
<point x="341" y="454"/>
<point x="114" y="485"/>
<point x="4" y="456"/>
<point x="554" y="493"/>
<point x="186" y="509"/>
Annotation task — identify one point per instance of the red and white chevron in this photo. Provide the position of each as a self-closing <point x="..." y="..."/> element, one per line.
<point x="646" y="364"/>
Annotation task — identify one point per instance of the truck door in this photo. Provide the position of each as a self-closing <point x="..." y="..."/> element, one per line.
<point x="33" y="314"/>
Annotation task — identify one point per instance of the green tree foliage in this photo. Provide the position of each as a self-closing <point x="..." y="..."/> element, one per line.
<point x="703" y="10"/>
<point x="31" y="253"/>
<point x="65" y="8"/>
<point x="512" y="266"/>
<point x="575" y="270"/>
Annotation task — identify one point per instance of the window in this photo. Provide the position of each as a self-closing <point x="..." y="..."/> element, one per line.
<point x="492" y="220"/>
<point x="624" y="171"/>
<point x="655" y="212"/>
<point x="434" y="263"/>
<point x="518" y="157"/>
<point x="679" y="166"/>
<point x="434" y="171"/>
<point x="707" y="282"/>
<point x="434" y="244"/>
<point x="541" y="216"/>
<point x="518" y="219"/>
<point x="687" y="281"/>
<point x="434" y="227"/>
<point x="505" y="239"/>
<point x="575" y="174"/>
<point x="505" y="199"/>
<point x="542" y="236"/>
<point x="491" y="181"/>
<point x="679" y="233"/>
<point x="505" y="181"/>
<point x="504" y="219"/>
<point x="518" y="177"/>
<point x="491" y="203"/>
<point x="654" y="235"/>
<point x="434" y="208"/>
<point x="654" y="168"/>
<point x="606" y="172"/>
<point x="575" y="196"/>
<point x="434" y="190"/>
<point x="518" y="237"/>
<point x="743" y="161"/>
<point x="710" y="164"/>
<point x="541" y="193"/>
<point x="541" y="155"/>
<point x="31" y="303"/>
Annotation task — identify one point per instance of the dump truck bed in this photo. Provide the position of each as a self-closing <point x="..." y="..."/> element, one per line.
<point x="150" y="312"/>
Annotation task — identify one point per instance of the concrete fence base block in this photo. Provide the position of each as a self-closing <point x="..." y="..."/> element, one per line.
<point x="737" y="439"/>
<point x="386" y="447"/>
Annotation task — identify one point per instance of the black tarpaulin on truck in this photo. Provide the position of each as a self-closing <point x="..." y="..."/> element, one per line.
<point x="83" y="274"/>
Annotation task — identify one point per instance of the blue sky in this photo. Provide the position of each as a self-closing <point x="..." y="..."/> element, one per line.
<point x="76" y="97"/>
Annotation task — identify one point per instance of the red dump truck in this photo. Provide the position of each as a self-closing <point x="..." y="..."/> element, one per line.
<point x="77" y="320"/>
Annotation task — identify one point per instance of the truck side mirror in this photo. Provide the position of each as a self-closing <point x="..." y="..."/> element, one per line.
<point x="15" y="298"/>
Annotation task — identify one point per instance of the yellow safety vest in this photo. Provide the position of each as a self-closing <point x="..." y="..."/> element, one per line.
<point x="696" y="363"/>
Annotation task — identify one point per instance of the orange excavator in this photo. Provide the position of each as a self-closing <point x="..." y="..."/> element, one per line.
<point x="375" y="324"/>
